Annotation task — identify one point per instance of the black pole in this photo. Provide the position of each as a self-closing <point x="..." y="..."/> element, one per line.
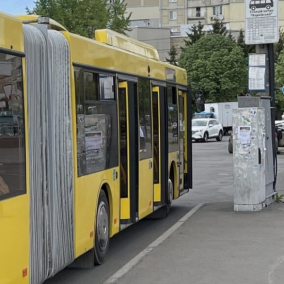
<point x="270" y="48"/>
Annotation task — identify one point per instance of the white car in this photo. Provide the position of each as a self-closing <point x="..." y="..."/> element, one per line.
<point x="279" y="129"/>
<point x="206" y="128"/>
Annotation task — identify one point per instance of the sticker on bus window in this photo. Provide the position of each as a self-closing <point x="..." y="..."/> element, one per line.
<point x="93" y="140"/>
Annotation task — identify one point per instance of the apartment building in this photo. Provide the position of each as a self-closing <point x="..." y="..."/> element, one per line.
<point x="179" y="15"/>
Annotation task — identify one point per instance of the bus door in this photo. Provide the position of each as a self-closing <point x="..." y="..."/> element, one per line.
<point x="160" y="142"/>
<point x="129" y="165"/>
<point x="146" y="187"/>
<point x="181" y="137"/>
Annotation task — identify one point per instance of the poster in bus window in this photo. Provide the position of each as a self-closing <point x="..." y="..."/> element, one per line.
<point x="93" y="140"/>
<point x="97" y="129"/>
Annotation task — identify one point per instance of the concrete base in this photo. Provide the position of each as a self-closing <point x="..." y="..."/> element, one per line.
<point x="248" y="207"/>
<point x="270" y="199"/>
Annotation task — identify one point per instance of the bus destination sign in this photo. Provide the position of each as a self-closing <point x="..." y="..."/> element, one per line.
<point x="261" y="21"/>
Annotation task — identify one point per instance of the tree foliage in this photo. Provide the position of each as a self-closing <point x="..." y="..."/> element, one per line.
<point x="118" y="20"/>
<point x="217" y="66"/>
<point x="83" y="17"/>
<point x="241" y="43"/>
<point x="173" y="55"/>
<point x="195" y="33"/>
<point x="219" y="28"/>
<point x="279" y="80"/>
<point x="278" y="47"/>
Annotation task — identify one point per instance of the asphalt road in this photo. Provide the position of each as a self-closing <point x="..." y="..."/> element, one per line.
<point x="212" y="173"/>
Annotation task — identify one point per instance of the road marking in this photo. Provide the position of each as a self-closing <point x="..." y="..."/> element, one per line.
<point x="134" y="261"/>
<point x="273" y="268"/>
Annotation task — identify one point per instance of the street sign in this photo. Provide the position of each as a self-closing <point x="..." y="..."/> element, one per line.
<point x="261" y="21"/>
<point x="283" y="90"/>
<point x="257" y="72"/>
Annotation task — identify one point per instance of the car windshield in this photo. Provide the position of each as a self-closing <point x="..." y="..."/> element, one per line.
<point x="196" y="122"/>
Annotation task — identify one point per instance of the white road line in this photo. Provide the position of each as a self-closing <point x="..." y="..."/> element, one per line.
<point x="134" y="261"/>
<point x="273" y="268"/>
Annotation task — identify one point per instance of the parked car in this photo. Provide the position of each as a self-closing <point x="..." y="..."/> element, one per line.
<point x="279" y="128"/>
<point x="230" y="143"/>
<point x="203" y="114"/>
<point x="205" y="128"/>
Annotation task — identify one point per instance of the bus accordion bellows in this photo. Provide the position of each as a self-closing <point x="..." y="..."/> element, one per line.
<point x="94" y="136"/>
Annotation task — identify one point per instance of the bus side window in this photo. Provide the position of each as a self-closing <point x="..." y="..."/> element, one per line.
<point x="96" y="122"/>
<point x="12" y="128"/>
<point x="172" y="118"/>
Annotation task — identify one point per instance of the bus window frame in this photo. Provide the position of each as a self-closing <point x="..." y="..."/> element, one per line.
<point x="19" y="193"/>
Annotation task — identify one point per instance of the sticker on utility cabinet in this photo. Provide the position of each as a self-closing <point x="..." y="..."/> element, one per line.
<point x="244" y="132"/>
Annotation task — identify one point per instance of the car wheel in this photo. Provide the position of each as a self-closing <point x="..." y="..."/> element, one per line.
<point x="268" y="7"/>
<point x="253" y="8"/>
<point x="102" y="230"/>
<point x="205" y="137"/>
<point x="220" y="136"/>
<point x="230" y="147"/>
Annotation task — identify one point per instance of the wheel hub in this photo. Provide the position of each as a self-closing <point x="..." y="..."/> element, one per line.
<point x="102" y="227"/>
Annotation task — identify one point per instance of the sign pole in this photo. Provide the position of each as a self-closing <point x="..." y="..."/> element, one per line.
<point x="262" y="30"/>
<point x="271" y="81"/>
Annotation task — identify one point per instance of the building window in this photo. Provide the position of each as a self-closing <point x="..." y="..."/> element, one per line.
<point x="217" y="10"/>
<point x="172" y="1"/>
<point x="174" y="30"/>
<point x="198" y="12"/>
<point x="173" y="15"/>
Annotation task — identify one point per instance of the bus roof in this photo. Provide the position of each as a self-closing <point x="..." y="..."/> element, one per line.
<point x="121" y="41"/>
<point x="110" y="50"/>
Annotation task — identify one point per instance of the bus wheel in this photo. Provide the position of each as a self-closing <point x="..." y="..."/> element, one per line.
<point x="164" y="211"/>
<point x="170" y="195"/>
<point x="102" y="229"/>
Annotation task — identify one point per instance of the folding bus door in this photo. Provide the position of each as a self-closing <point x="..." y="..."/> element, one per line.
<point x="146" y="187"/>
<point x="181" y="135"/>
<point x="129" y="165"/>
<point x="160" y="145"/>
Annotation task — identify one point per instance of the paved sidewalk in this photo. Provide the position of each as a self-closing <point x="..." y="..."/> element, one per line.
<point x="218" y="246"/>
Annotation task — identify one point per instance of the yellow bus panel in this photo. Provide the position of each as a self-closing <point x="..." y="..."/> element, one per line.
<point x="11" y="40"/>
<point x="146" y="188"/>
<point x="86" y="199"/>
<point x="14" y="245"/>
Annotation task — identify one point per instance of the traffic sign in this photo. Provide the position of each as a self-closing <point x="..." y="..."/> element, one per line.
<point x="261" y="21"/>
<point x="257" y="72"/>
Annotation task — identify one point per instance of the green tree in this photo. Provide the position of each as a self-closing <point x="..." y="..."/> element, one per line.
<point x="82" y="17"/>
<point x="173" y="55"/>
<point x="118" y="21"/>
<point x="195" y="33"/>
<point x="279" y="80"/>
<point x="217" y="66"/>
<point x="219" y="28"/>
<point x="230" y="36"/>
<point x="278" y="47"/>
<point x="241" y="43"/>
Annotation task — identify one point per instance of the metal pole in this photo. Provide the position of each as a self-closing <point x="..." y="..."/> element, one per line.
<point x="270" y="48"/>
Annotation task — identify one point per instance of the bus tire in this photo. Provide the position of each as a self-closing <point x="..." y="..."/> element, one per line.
<point x="170" y="195"/>
<point x="101" y="230"/>
<point x="164" y="211"/>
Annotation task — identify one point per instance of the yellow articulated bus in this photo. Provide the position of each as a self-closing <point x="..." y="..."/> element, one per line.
<point x="94" y="136"/>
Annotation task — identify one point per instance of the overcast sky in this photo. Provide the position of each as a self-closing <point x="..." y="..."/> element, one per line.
<point x="16" y="7"/>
